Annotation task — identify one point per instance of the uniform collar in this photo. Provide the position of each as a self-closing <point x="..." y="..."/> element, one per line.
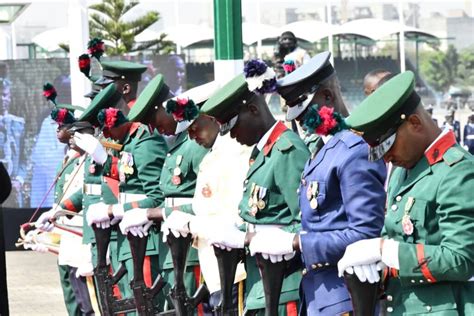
<point x="277" y="129"/>
<point x="131" y="103"/>
<point x="434" y="153"/>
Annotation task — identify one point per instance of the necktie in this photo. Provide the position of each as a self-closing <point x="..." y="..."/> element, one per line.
<point x="253" y="155"/>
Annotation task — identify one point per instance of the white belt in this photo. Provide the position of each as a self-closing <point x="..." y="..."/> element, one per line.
<point x="92" y="189"/>
<point x="470" y="137"/>
<point x="130" y="197"/>
<point x="255" y="228"/>
<point x="172" y="202"/>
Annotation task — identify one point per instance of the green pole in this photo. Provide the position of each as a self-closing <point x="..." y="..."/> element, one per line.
<point x="228" y="46"/>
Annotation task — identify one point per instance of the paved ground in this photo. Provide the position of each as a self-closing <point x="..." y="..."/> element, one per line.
<point x="33" y="284"/>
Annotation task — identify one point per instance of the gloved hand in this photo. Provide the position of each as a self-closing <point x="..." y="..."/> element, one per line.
<point x="362" y="252"/>
<point x="98" y="214"/>
<point x="179" y="222"/>
<point x="227" y="236"/>
<point x="43" y="222"/>
<point x="274" y="244"/>
<point x="367" y="272"/>
<point x="36" y="247"/>
<point x="84" y="270"/>
<point x="136" y="222"/>
<point x="92" y="146"/>
<point x="165" y="230"/>
<point x="118" y="212"/>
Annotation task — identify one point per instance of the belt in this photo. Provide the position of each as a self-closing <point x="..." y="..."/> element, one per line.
<point x="172" y="202"/>
<point x="255" y="228"/>
<point x="470" y="137"/>
<point x="130" y="197"/>
<point x="92" y="189"/>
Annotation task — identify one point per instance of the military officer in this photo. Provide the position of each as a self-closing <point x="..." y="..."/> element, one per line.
<point x="269" y="199"/>
<point x="178" y="176"/>
<point x="218" y="191"/>
<point x="372" y="80"/>
<point x="427" y="237"/>
<point x="341" y="194"/>
<point x="72" y="254"/>
<point x="138" y="162"/>
<point x="97" y="187"/>
<point x="125" y="75"/>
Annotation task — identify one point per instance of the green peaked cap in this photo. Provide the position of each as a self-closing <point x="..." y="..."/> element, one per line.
<point x="225" y="103"/>
<point x="154" y="94"/>
<point x="108" y="97"/>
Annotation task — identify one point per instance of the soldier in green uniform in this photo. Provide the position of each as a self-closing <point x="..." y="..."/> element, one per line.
<point x="97" y="186"/>
<point x="269" y="198"/>
<point x="138" y="162"/>
<point x="75" y="292"/>
<point x="427" y="239"/>
<point x="177" y="180"/>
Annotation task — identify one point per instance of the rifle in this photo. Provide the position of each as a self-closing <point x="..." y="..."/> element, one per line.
<point x="272" y="279"/>
<point x="364" y="295"/>
<point x="183" y="304"/>
<point x="227" y="262"/>
<point x="108" y="303"/>
<point x="143" y="295"/>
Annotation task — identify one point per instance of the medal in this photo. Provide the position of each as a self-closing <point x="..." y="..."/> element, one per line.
<point x="92" y="168"/>
<point x="313" y="203"/>
<point x="261" y="195"/>
<point x="253" y="210"/>
<point x="176" y="180"/>
<point x="314" y="188"/>
<point x="177" y="171"/>
<point x="206" y="191"/>
<point x="250" y="203"/>
<point x="309" y="193"/>
<point x="407" y="225"/>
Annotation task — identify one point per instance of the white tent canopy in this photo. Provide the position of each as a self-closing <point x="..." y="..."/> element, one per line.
<point x="182" y="34"/>
<point x="311" y="31"/>
<point x="50" y="39"/>
<point x="376" y="29"/>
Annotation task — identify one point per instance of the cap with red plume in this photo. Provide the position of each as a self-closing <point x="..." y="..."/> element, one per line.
<point x="85" y="64"/>
<point x="96" y="48"/>
<point x="50" y="92"/>
<point x="110" y="118"/>
<point x="62" y="116"/>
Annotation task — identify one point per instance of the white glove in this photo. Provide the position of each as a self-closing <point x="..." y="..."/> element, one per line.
<point x="367" y="272"/>
<point x="274" y="244"/>
<point x="136" y="222"/>
<point x="84" y="270"/>
<point x="179" y="222"/>
<point x="167" y="230"/>
<point x="118" y="212"/>
<point x="43" y="222"/>
<point x="36" y="247"/>
<point x="362" y="252"/>
<point x="92" y="146"/>
<point x="227" y="236"/>
<point x="98" y="214"/>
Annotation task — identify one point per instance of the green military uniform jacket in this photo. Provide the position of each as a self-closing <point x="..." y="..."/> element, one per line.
<point x="139" y="164"/>
<point x="64" y="171"/>
<point x="82" y="199"/>
<point x="186" y="155"/>
<point x="436" y="251"/>
<point x="274" y="179"/>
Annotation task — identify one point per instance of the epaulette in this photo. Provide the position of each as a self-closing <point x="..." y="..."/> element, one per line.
<point x="284" y="143"/>
<point x="453" y="155"/>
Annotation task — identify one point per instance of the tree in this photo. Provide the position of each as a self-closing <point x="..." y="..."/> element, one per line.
<point x="441" y="68"/>
<point x="107" y="23"/>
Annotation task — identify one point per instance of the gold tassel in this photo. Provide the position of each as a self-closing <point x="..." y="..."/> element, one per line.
<point x="241" y="298"/>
